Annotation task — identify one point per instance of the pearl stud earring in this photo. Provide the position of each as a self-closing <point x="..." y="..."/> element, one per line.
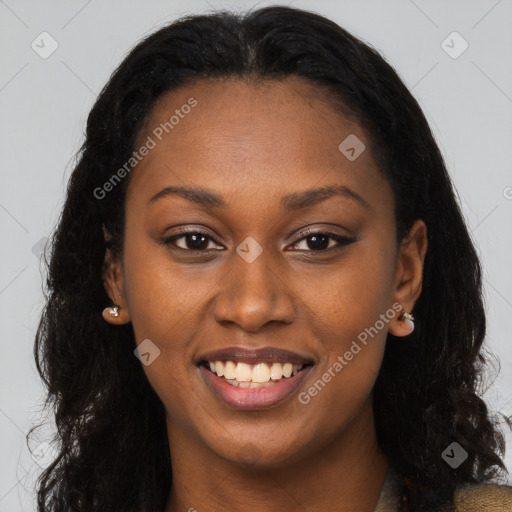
<point x="408" y="319"/>
<point x="114" y="311"/>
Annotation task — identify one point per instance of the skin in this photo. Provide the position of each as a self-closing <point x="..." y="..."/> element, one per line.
<point x="253" y="144"/>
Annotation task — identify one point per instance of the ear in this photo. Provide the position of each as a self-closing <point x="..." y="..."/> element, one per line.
<point x="113" y="282"/>
<point x="409" y="275"/>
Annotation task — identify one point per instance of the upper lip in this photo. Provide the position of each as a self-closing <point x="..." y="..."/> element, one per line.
<point x="251" y="355"/>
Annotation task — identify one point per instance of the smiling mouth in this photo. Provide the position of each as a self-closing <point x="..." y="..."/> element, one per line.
<point x="258" y="375"/>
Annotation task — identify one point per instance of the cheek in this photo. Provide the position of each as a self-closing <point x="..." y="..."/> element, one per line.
<point x="351" y="317"/>
<point x="163" y="307"/>
<point x="351" y="296"/>
<point x="353" y="341"/>
<point x="160" y="295"/>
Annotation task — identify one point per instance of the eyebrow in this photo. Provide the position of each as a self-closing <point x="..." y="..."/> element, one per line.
<point x="291" y="202"/>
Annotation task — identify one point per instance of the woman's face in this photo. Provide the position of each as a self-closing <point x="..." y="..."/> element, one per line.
<point x="255" y="279"/>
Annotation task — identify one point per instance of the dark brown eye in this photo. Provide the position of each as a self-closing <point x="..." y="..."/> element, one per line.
<point x="196" y="241"/>
<point x="319" y="241"/>
<point x="193" y="241"/>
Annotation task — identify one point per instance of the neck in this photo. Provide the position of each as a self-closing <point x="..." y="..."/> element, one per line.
<point x="346" y="475"/>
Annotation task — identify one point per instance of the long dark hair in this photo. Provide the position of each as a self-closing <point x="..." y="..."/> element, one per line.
<point x="113" y="450"/>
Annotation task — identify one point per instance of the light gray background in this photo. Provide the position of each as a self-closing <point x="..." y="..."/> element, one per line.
<point x="44" y="104"/>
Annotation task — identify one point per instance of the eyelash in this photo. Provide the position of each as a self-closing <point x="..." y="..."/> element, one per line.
<point x="342" y="240"/>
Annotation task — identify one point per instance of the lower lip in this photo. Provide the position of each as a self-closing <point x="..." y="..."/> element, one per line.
<point x="253" y="398"/>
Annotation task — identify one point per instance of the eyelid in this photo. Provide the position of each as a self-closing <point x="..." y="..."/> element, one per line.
<point x="323" y="231"/>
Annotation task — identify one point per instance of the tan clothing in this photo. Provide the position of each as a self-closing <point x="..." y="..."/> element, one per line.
<point x="484" y="498"/>
<point x="467" y="497"/>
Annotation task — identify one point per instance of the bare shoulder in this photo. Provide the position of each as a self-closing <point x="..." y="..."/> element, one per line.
<point x="483" y="498"/>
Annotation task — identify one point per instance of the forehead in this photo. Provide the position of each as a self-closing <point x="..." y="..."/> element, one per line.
<point x="241" y="137"/>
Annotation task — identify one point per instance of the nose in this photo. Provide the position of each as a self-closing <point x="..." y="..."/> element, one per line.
<point x="254" y="294"/>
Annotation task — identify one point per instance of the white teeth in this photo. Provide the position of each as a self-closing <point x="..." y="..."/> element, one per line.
<point x="230" y="370"/>
<point x="219" y="368"/>
<point x="258" y="375"/>
<point x="276" y="371"/>
<point x="261" y="373"/>
<point x="237" y="384"/>
<point x="242" y="372"/>
<point x="287" y="369"/>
